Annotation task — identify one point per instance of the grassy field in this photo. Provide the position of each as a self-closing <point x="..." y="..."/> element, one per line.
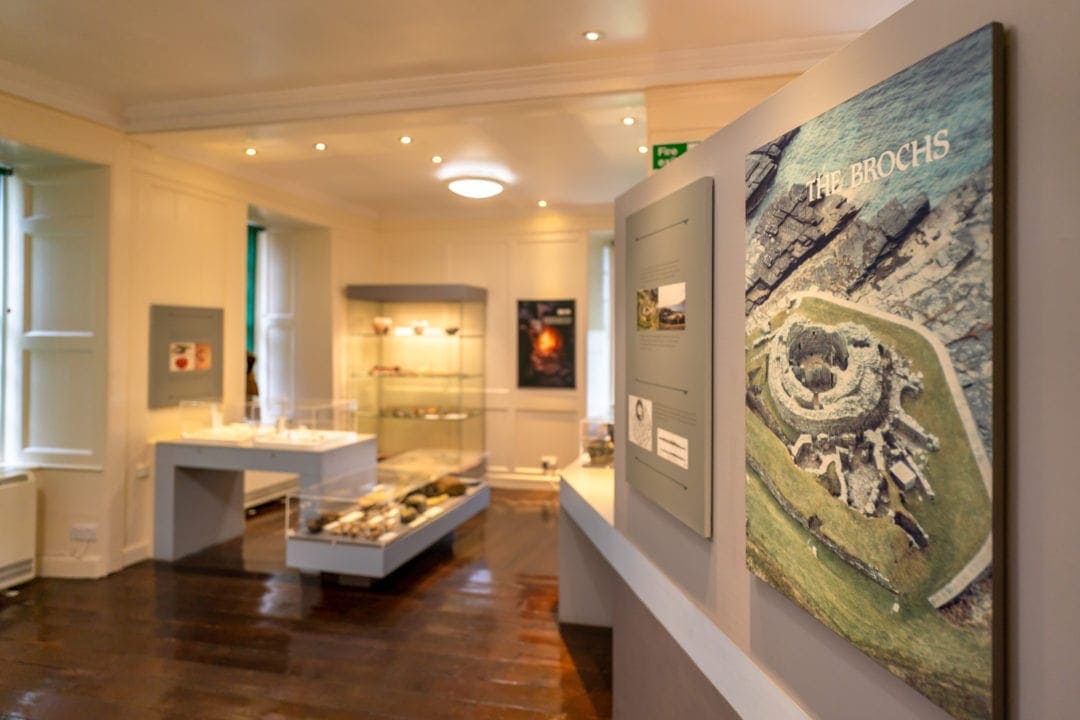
<point x="948" y="663"/>
<point x="876" y="541"/>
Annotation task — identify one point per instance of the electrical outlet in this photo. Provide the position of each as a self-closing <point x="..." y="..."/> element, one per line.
<point x="84" y="532"/>
<point x="142" y="471"/>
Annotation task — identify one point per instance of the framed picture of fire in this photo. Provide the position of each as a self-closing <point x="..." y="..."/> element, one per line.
<point x="546" y="352"/>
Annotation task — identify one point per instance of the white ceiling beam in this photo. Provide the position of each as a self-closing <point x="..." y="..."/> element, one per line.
<point x="605" y="75"/>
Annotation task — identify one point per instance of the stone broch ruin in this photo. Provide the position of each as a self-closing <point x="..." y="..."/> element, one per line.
<point x="840" y="388"/>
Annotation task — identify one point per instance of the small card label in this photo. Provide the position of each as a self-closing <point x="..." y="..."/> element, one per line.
<point x="673" y="448"/>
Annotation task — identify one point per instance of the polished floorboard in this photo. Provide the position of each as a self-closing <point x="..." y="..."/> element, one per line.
<point x="466" y="630"/>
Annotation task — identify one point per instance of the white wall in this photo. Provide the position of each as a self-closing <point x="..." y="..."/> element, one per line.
<point x="542" y="257"/>
<point x="177" y="235"/>
<point x="827" y="676"/>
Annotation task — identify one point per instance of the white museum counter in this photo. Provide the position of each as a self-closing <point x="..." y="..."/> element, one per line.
<point x="587" y="536"/>
<point x="594" y="555"/>
<point x="199" y="485"/>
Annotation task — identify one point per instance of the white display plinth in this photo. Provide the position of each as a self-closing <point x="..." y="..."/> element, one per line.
<point x="586" y="579"/>
<point x="199" y="487"/>
<point x="314" y="553"/>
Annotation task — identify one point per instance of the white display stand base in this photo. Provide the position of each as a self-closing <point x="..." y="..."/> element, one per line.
<point x="586" y="580"/>
<point x="199" y="488"/>
<point x="587" y="502"/>
<point x="317" y="553"/>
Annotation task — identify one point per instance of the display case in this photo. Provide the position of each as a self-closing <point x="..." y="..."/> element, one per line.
<point x="368" y="523"/>
<point x="598" y="442"/>
<point x="280" y="423"/>
<point x="415" y="365"/>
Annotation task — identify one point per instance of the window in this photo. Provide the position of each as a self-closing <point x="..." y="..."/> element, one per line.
<point x="252" y="266"/>
<point x="600" y="369"/>
<point x="55" y="264"/>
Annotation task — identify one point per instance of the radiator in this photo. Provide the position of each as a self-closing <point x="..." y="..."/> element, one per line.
<point x="18" y="529"/>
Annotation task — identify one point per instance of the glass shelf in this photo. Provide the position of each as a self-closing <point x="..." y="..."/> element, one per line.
<point x="413" y="336"/>
<point x="418" y="386"/>
<point x="448" y="417"/>
<point x="417" y="376"/>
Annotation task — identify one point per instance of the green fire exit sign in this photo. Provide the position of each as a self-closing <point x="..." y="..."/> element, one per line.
<point x="666" y="152"/>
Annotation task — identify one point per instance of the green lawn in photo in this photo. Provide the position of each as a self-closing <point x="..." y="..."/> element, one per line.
<point x="948" y="662"/>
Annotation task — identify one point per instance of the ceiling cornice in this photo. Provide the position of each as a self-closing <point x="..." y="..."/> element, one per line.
<point x="260" y="180"/>
<point x="605" y="75"/>
<point x="60" y="95"/>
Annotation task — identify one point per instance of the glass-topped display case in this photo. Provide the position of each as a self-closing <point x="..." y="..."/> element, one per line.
<point x="374" y="506"/>
<point x="415" y="364"/>
<point x="368" y="523"/>
<point x="281" y="423"/>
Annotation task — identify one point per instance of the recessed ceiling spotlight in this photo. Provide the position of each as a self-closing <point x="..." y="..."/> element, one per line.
<point x="320" y="146"/>
<point x="593" y="35"/>
<point x="436" y="159"/>
<point x="628" y="121"/>
<point x="541" y="203"/>
<point x="405" y="139"/>
<point x="475" y="188"/>
<point x="642" y="149"/>
<point x="251" y="152"/>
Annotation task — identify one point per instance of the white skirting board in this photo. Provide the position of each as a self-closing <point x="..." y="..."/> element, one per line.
<point x="89" y="567"/>
<point x="263" y="487"/>
<point x="745" y="686"/>
<point x="521" y="481"/>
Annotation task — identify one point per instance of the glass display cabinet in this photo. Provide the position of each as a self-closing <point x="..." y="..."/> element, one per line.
<point x="369" y="523"/>
<point x="415" y="365"/>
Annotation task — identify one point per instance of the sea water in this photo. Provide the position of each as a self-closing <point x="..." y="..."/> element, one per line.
<point x="951" y="89"/>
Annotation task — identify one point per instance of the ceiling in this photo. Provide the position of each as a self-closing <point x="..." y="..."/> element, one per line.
<point x="507" y="83"/>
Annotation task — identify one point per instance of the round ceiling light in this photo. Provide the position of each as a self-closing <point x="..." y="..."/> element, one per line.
<point x="541" y="203"/>
<point x="320" y="146"/>
<point x="628" y="121"/>
<point x="405" y="139"/>
<point x="251" y="152"/>
<point x="475" y="188"/>
<point x="592" y="35"/>
<point x="436" y="159"/>
<point x="642" y="149"/>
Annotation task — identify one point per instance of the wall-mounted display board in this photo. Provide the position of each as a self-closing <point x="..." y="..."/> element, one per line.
<point x="546" y="354"/>
<point x="185" y="354"/>
<point x="668" y="350"/>
<point x="873" y="371"/>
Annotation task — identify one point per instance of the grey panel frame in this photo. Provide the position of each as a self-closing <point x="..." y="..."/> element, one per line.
<point x="668" y="242"/>
<point x="176" y="323"/>
<point x="416" y="293"/>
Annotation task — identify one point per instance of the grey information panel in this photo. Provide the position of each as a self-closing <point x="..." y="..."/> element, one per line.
<point x="668" y="305"/>
<point x="186" y="354"/>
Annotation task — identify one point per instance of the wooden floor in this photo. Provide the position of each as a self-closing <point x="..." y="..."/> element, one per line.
<point x="467" y="630"/>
